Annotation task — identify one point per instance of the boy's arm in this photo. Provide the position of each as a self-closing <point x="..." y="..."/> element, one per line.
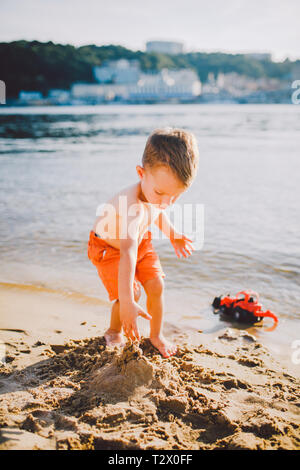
<point x="129" y="309"/>
<point x="182" y="245"/>
<point x="164" y="224"/>
<point x="127" y="266"/>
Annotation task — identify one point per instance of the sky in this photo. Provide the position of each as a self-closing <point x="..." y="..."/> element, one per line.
<point x="232" y="26"/>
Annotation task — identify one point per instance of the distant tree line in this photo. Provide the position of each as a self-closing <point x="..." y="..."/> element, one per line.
<point x="33" y="65"/>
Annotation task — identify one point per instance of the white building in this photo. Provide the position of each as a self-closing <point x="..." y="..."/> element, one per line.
<point x="123" y="80"/>
<point x="93" y="92"/>
<point x="59" y="96"/>
<point x="30" y="95"/>
<point x="165" y="47"/>
<point x="238" y="85"/>
<point x="118" y="71"/>
<point x="181" y="84"/>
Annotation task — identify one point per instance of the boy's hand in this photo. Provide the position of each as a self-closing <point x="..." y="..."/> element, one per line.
<point x="128" y="315"/>
<point x="182" y="245"/>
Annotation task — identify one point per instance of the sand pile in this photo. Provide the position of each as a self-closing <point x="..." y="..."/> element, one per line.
<point x="229" y="394"/>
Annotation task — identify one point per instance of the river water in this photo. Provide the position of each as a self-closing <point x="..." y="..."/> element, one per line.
<point x="57" y="164"/>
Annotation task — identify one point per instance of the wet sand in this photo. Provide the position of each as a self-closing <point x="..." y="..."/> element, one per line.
<point x="62" y="388"/>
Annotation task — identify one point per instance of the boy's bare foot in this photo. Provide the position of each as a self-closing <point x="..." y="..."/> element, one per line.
<point x="165" y="347"/>
<point x="114" y="338"/>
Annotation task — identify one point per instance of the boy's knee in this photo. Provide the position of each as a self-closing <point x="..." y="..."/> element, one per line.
<point x="154" y="286"/>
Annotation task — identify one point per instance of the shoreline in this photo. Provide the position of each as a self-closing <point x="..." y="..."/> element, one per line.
<point x="92" y="316"/>
<point x="61" y="388"/>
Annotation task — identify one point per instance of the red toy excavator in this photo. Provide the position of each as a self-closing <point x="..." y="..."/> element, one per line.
<point x="243" y="308"/>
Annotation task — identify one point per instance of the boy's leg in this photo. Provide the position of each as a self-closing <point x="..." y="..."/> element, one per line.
<point x="155" y="307"/>
<point x="113" y="336"/>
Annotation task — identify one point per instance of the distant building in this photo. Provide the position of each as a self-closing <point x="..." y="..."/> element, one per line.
<point x="168" y="84"/>
<point x="123" y="80"/>
<point x="165" y="47"/>
<point x="30" y="95"/>
<point x="97" y="93"/>
<point x="118" y="71"/>
<point x="236" y="85"/>
<point x="295" y="73"/>
<point x="58" y="96"/>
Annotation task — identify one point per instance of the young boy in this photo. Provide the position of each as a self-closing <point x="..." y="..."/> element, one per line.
<point x="120" y="242"/>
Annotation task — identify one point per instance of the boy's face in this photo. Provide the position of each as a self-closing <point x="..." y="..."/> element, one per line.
<point x="159" y="185"/>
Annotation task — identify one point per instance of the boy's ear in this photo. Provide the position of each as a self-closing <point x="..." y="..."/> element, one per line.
<point x="140" y="171"/>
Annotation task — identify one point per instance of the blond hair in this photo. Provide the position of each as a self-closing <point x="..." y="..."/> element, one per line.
<point x="173" y="148"/>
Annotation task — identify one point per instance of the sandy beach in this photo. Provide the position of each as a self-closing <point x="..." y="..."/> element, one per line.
<point x="62" y="388"/>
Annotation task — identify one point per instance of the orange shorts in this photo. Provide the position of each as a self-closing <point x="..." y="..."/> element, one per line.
<point x="106" y="259"/>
